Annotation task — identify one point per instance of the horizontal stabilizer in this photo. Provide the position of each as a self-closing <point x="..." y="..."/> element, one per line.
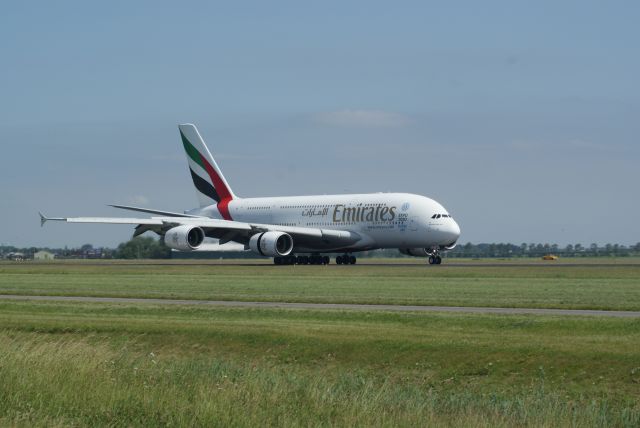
<point x="150" y="211"/>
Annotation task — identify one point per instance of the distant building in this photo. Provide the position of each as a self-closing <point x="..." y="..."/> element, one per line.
<point x="93" y="253"/>
<point x="43" y="255"/>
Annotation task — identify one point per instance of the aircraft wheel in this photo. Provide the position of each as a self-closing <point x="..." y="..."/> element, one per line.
<point x="339" y="260"/>
<point x="277" y="260"/>
<point x="326" y="260"/>
<point x="438" y="260"/>
<point x="352" y="260"/>
<point x="432" y="260"/>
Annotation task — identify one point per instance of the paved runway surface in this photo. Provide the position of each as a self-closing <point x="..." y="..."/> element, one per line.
<point x="343" y="306"/>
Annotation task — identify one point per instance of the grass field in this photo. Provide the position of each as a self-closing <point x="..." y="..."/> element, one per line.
<point x="614" y="287"/>
<point x="122" y="364"/>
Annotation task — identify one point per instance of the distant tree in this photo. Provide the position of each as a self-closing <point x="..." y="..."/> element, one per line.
<point x="86" y="247"/>
<point x="492" y="250"/>
<point x="142" y="248"/>
<point x="467" y="250"/>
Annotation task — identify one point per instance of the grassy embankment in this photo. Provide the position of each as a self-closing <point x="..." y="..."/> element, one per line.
<point x="614" y="287"/>
<point x="105" y="364"/>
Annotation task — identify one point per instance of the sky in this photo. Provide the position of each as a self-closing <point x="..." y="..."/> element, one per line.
<point x="521" y="118"/>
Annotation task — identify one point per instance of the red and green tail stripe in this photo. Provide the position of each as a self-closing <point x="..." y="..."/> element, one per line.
<point x="218" y="191"/>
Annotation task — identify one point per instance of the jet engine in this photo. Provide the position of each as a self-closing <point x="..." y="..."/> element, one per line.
<point x="415" y="252"/>
<point x="184" y="238"/>
<point x="271" y="244"/>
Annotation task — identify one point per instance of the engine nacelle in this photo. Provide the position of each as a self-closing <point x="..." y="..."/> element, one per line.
<point x="184" y="238"/>
<point x="271" y="244"/>
<point x="415" y="252"/>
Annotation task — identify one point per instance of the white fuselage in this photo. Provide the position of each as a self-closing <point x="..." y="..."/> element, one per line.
<point x="382" y="220"/>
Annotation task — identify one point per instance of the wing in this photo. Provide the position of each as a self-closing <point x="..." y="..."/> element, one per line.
<point x="225" y="230"/>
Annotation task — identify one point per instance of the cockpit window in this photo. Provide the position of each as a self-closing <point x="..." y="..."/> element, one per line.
<point x="441" y="216"/>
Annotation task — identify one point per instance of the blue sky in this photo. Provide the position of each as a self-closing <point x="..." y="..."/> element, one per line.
<point x="522" y="118"/>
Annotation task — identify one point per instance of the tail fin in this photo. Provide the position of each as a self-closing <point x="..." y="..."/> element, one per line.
<point x="211" y="186"/>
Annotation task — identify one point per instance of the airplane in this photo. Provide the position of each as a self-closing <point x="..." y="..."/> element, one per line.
<point x="291" y="229"/>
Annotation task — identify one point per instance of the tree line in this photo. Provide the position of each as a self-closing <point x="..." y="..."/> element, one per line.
<point x="141" y="247"/>
<point x="538" y="250"/>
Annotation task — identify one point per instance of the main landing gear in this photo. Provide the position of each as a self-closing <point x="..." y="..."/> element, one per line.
<point x="346" y="259"/>
<point x="313" y="259"/>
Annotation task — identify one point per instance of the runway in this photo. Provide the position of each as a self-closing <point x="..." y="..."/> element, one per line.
<point x="332" y="306"/>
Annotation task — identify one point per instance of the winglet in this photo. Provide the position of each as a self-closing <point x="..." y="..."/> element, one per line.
<point x="43" y="219"/>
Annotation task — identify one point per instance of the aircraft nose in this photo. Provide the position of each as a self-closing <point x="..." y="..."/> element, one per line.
<point x="453" y="232"/>
<point x="455" y="229"/>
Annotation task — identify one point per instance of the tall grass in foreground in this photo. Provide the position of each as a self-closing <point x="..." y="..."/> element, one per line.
<point x="69" y="379"/>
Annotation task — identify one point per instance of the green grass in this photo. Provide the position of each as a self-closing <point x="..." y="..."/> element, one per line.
<point x="612" y="286"/>
<point x="106" y="364"/>
<point x="103" y="364"/>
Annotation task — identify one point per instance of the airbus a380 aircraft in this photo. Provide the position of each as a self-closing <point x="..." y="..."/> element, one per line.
<point x="281" y="227"/>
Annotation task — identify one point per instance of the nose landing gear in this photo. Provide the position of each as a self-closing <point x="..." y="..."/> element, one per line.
<point x="434" y="256"/>
<point x="435" y="260"/>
